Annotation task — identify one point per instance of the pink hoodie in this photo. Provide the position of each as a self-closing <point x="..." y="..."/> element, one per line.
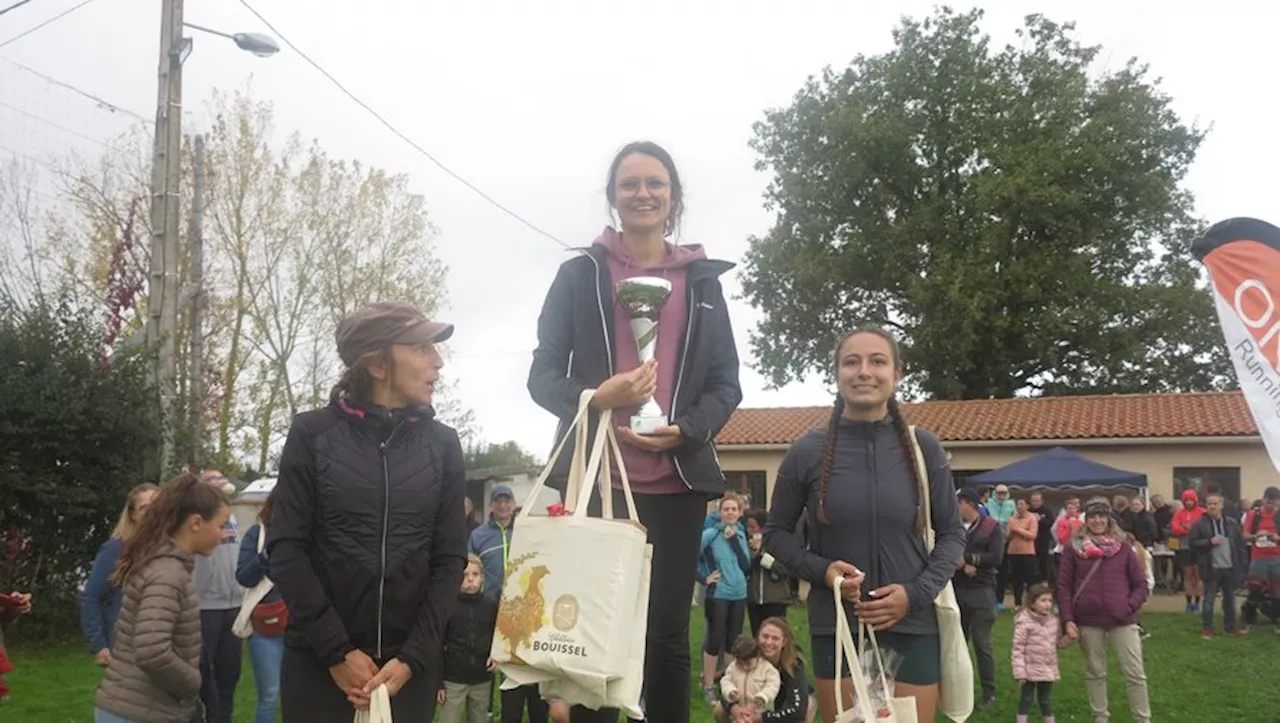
<point x="651" y="472"/>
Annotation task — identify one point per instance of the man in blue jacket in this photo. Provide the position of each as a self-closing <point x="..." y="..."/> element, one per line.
<point x="491" y="542"/>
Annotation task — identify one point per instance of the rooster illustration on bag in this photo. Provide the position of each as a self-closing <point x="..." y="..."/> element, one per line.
<point x="521" y="616"/>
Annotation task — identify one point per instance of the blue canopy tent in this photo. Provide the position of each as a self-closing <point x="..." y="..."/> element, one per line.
<point x="1060" y="469"/>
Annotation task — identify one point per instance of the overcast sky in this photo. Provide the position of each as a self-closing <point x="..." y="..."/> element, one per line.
<point x="529" y="101"/>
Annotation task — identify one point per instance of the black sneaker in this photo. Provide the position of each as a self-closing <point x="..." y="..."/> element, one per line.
<point x="988" y="704"/>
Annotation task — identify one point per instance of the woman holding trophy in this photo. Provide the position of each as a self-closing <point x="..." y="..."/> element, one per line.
<point x="643" y="321"/>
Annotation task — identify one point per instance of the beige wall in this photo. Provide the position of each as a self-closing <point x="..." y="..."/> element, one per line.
<point x="1155" y="460"/>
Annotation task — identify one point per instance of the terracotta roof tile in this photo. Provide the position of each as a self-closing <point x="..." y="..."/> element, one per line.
<point x="1206" y="414"/>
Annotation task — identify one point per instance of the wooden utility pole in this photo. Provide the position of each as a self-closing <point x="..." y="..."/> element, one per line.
<point x="195" y="385"/>
<point x="166" y="169"/>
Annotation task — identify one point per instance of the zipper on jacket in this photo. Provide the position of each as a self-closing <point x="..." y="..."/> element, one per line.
<point x="875" y="507"/>
<point x="604" y="324"/>
<point x="675" y="394"/>
<point x="386" y="515"/>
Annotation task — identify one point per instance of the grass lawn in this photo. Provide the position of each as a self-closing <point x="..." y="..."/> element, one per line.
<point x="1185" y="673"/>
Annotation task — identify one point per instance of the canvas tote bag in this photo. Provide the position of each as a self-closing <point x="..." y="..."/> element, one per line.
<point x="564" y="615"/>
<point x="622" y="693"/>
<point x="845" y="648"/>
<point x="955" y="699"/>
<point x="243" y="626"/>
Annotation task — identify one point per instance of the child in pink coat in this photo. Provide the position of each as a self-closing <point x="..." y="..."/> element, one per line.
<point x="1037" y="635"/>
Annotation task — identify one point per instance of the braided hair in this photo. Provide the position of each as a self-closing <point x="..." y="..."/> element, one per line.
<point x="895" y="417"/>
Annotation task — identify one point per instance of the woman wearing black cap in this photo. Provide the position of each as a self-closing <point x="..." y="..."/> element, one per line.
<point x="368" y="541"/>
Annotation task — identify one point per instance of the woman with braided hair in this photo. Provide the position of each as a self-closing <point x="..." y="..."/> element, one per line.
<point x="856" y="483"/>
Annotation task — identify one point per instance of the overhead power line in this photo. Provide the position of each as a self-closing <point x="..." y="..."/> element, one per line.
<point x="78" y="91"/>
<point x="46" y="23"/>
<point x="14" y="6"/>
<point x="396" y="131"/>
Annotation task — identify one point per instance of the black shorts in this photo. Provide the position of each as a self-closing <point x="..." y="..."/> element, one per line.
<point x="921" y="656"/>
<point x="1185" y="558"/>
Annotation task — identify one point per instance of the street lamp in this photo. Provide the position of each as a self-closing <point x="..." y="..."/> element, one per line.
<point x="263" y="46"/>
<point x="166" y="169"/>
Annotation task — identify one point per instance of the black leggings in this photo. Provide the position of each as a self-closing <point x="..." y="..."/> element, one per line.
<point x="515" y="700"/>
<point x="724" y="624"/>
<point x="757" y="614"/>
<point x="1043" y="691"/>
<point x="1024" y="570"/>
<point x="674" y="523"/>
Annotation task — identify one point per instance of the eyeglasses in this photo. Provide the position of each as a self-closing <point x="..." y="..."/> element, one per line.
<point x="632" y="185"/>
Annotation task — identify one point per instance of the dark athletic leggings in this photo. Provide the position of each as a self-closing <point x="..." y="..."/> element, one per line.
<point x="675" y="530"/>
<point x="757" y="614"/>
<point x="1043" y="691"/>
<point x="1023" y="570"/>
<point x="724" y="624"/>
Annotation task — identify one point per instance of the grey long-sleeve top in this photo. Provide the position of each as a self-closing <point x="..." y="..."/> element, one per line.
<point x="871" y="508"/>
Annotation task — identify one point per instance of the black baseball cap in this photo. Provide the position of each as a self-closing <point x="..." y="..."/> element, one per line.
<point x="968" y="494"/>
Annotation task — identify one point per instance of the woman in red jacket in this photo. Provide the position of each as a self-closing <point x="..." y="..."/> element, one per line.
<point x="1183" y="520"/>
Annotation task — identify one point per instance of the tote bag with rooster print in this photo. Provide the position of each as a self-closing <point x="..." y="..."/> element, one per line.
<point x="568" y="609"/>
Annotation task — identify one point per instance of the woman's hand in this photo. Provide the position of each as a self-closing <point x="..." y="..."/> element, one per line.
<point x="887" y="606"/>
<point x="394" y="675"/>
<point x="714" y="577"/>
<point x="1073" y="631"/>
<point x="627" y="389"/>
<point x="663" y="438"/>
<point x="851" y="589"/>
<point x="440" y="697"/>
<point x="352" y="674"/>
<point x="730" y="531"/>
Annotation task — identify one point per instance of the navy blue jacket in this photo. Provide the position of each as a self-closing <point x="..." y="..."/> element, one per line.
<point x="252" y="565"/>
<point x="100" y="601"/>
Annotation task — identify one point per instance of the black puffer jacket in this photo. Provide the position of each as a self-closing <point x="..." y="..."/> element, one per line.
<point x="575" y="331"/>
<point x="368" y="538"/>
<point x="468" y="639"/>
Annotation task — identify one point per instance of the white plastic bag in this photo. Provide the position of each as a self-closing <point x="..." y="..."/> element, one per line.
<point x="564" y="616"/>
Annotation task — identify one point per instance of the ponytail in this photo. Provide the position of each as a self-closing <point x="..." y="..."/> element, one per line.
<point x="356" y="381"/>
<point x="177" y="500"/>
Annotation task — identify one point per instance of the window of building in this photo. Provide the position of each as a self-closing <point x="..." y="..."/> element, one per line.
<point x="753" y="485"/>
<point x="1200" y="479"/>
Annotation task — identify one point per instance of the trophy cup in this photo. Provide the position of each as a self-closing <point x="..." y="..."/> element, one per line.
<point x="643" y="298"/>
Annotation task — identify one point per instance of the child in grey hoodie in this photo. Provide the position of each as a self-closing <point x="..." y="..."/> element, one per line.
<point x="219" y="596"/>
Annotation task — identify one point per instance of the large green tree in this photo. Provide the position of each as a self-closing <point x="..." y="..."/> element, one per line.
<point x="1017" y="214"/>
<point x="74" y="433"/>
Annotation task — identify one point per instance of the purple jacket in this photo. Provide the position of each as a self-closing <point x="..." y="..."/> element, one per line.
<point x="1113" y="595"/>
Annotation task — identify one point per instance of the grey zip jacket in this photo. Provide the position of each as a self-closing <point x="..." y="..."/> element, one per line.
<point x="871" y="507"/>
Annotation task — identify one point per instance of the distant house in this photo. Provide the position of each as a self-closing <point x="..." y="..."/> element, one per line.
<point x="480" y="482"/>
<point x="1179" y="441"/>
